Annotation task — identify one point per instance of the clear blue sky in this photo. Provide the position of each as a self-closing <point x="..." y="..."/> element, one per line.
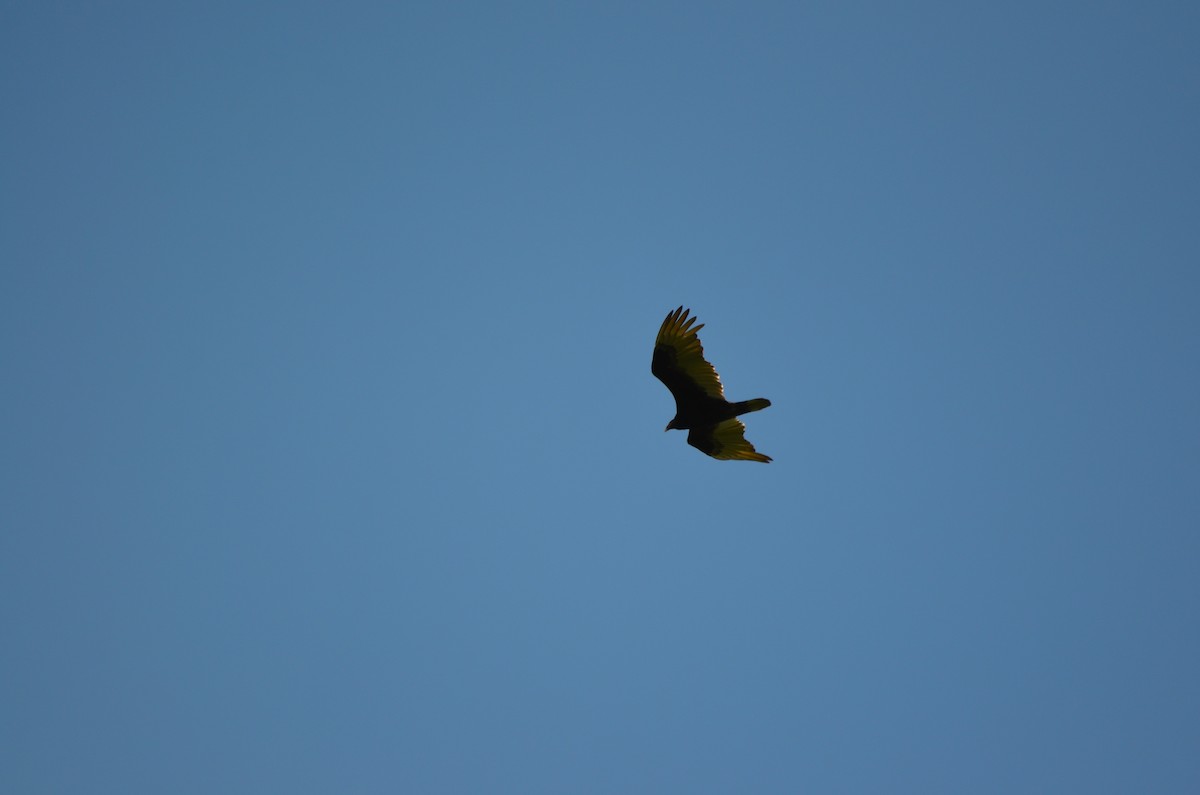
<point x="331" y="460"/>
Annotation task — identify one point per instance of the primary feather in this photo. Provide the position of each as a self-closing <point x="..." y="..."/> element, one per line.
<point x="700" y="404"/>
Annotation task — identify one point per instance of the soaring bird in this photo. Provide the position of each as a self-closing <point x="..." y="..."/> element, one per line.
<point x="700" y="405"/>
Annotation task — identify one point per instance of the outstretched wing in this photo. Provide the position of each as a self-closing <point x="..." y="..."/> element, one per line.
<point x="725" y="440"/>
<point x="679" y="359"/>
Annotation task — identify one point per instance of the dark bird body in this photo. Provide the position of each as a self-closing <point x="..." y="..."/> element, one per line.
<point x="700" y="405"/>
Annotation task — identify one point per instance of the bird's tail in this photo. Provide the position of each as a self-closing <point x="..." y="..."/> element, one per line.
<point x="747" y="406"/>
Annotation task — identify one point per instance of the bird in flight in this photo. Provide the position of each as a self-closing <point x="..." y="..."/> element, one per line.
<point x="700" y="406"/>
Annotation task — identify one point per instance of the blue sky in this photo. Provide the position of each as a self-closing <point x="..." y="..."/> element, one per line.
<point x="332" y="460"/>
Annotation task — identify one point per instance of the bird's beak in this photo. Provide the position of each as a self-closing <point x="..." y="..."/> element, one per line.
<point x="667" y="428"/>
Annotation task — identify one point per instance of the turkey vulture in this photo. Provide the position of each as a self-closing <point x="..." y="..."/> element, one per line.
<point x="700" y="405"/>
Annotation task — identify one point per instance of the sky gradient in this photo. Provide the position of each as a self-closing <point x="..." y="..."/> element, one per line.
<point x="332" y="461"/>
